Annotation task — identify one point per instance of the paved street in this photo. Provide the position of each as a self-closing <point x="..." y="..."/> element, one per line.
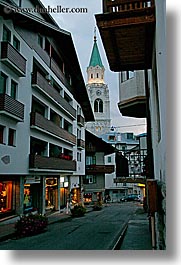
<point x="97" y="230"/>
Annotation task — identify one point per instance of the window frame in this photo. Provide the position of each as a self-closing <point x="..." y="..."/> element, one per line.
<point x="15" y="39"/>
<point x="8" y="31"/>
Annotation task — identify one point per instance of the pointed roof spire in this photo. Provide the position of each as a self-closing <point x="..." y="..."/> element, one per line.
<point x="95" y="56"/>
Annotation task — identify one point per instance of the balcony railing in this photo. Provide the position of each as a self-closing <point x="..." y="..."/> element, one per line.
<point x="13" y="58"/>
<point x="125" y="5"/>
<point x="50" y="127"/>
<point x="58" y="72"/>
<point x="127" y="30"/>
<point x="98" y="169"/>
<point x="80" y="120"/>
<point x="51" y="163"/>
<point x="80" y="144"/>
<point x="39" y="81"/>
<point x="11" y="107"/>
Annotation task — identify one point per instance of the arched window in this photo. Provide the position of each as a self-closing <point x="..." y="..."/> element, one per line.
<point x="98" y="105"/>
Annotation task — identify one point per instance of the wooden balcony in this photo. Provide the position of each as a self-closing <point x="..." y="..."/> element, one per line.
<point x="11" y="107"/>
<point x="13" y="59"/>
<point x="37" y="120"/>
<point x="42" y="84"/>
<point x="80" y="120"/>
<point x="133" y="97"/>
<point x="58" y="72"/>
<point x="80" y="144"/>
<point x="99" y="169"/>
<point x="127" y="30"/>
<point x="51" y="163"/>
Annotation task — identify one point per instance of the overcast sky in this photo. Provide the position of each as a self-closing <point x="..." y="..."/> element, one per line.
<point x="81" y="27"/>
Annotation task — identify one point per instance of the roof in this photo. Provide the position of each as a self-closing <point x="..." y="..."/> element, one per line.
<point x="95" y="56"/>
<point x="98" y="143"/>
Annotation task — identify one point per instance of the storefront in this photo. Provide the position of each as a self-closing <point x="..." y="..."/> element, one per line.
<point x="51" y="194"/>
<point x="6" y="198"/>
<point x="32" y="191"/>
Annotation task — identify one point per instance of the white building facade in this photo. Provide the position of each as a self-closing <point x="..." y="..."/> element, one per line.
<point x="42" y="135"/>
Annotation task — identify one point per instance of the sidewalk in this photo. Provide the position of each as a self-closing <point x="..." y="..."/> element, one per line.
<point x="135" y="237"/>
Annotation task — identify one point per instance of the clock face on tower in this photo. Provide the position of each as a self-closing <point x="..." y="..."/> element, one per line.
<point x="98" y="93"/>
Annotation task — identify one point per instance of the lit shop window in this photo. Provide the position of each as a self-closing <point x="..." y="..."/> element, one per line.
<point x="5" y="196"/>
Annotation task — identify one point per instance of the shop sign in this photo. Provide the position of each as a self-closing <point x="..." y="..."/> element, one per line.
<point x="51" y="182"/>
<point x="32" y="179"/>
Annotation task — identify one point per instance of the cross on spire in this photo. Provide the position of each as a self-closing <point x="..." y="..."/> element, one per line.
<point x="95" y="39"/>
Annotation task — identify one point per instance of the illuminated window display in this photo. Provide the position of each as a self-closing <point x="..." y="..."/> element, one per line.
<point x="5" y="196"/>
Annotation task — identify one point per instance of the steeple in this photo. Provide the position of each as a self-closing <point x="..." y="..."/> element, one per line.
<point x="95" y="56"/>
<point x="98" y="93"/>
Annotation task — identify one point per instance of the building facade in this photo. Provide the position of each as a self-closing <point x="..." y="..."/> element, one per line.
<point x="134" y="37"/>
<point x="96" y="168"/>
<point x="43" y="107"/>
<point x="129" y="177"/>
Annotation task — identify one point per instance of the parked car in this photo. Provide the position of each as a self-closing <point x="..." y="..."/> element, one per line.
<point x="130" y="197"/>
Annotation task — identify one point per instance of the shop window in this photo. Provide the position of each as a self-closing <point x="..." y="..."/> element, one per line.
<point x="6" y="34"/>
<point x="27" y="198"/>
<point x="11" y="137"/>
<point x="5" y="196"/>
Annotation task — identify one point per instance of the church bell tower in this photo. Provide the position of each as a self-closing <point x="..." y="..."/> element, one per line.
<point x="98" y="93"/>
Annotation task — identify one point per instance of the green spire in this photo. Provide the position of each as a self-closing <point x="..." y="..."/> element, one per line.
<point x="95" y="56"/>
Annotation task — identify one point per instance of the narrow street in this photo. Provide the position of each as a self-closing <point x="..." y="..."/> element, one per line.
<point x="97" y="230"/>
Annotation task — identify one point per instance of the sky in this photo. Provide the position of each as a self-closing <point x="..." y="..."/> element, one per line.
<point x="81" y="26"/>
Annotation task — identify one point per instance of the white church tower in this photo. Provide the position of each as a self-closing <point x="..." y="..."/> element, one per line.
<point x="98" y="93"/>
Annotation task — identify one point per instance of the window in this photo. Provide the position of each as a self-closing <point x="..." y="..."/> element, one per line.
<point x="40" y="40"/>
<point x="97" y="75"/>
<point x="78" y="134"/>
<point x="89" y="179"/>
<point x="111" y="138"/>
<point x="91" y="75"/>
<point x="90" y="160"/>
<point x="68" y="126"/>
<point x="2" y="134"/>
<point x="14" y="86"/>
<point x="3" y="83"/>
<point x="6" y="34"/>
<point x="98" y="105"/>
<point x="130" y="74"/>
<point x="109" y="159"/>
<point x="16" y="43"/>
<point x="79" y="157"/>
<point x="11" y="137"/>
